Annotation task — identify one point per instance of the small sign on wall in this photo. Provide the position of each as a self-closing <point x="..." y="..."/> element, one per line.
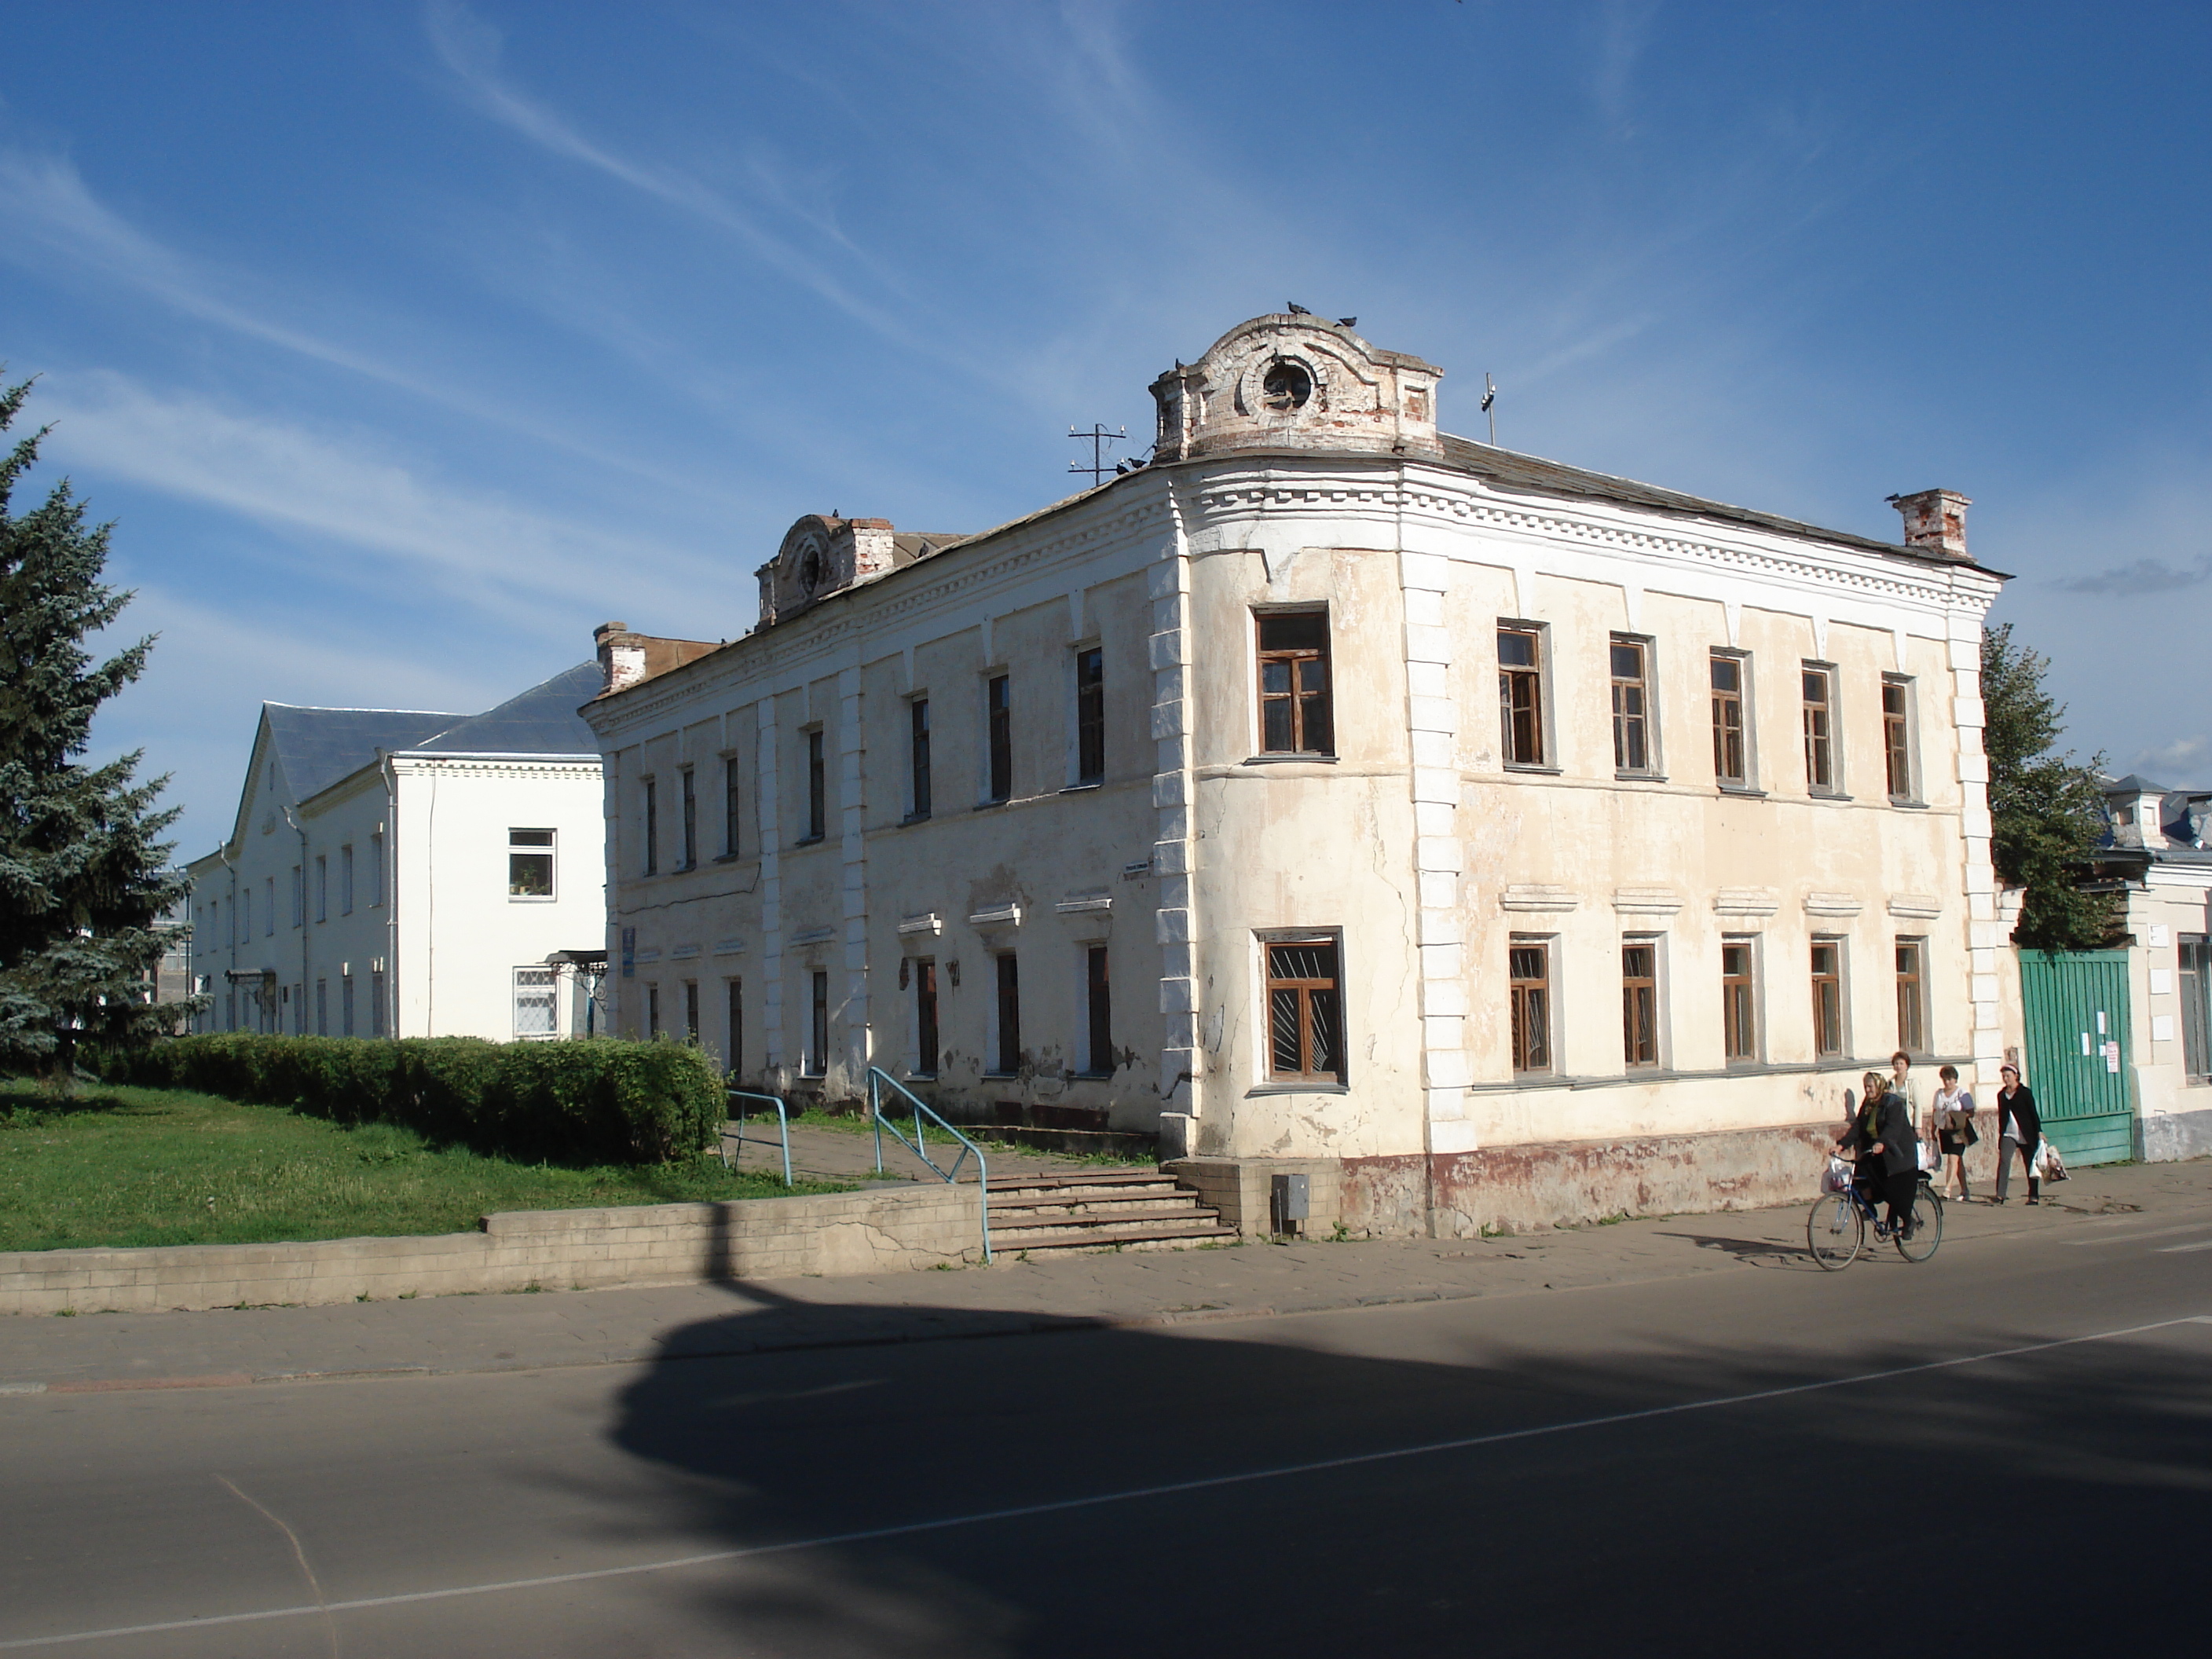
<point x="2112" y="1057"/>
<point x="2161" y="1028"/>
<point x="2159" y="937"/>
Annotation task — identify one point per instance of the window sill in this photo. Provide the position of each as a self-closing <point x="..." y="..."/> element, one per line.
<point x="1827" y="794"/>
<point x="1620" y="776"/>
<point x="729" y="858"/>
<point x="1084" y="788"/>
<point x="1315" y="758"/>
<point x="990" y="806"/>
<point x="808" y="840"/>
<point x="1905" y="803"/>
<point x="1292" y="1086"/>
<point x="531" y="898"/>
<point x="1749" y="792"/>
<point x="1533" y="769"/>
<point x="914" y="818"/>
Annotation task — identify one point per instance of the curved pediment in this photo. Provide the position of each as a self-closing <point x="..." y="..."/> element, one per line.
<point x="1295" y="381"/>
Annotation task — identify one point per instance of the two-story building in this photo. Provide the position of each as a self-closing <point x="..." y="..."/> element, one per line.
<point x="393" y="872"/>
<point x="1492" y="841"/>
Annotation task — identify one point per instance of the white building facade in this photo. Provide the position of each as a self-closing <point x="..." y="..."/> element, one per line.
<point x="401" y="873"/>
<point x="1491" y="840"/>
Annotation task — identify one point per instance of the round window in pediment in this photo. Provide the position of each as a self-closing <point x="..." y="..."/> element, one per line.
<point x="810" y="571"/>
<point x="1286" y="387"/>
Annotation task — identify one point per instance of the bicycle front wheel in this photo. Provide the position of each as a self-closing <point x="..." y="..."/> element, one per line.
<point x="1927" y="1225"/>
<point x="1836" y="1232"/>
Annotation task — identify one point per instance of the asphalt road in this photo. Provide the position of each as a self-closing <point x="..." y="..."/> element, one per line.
<point x="2008" y="1449"/>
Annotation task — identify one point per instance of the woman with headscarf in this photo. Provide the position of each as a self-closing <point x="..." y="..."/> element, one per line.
<point x="2020" y="1131"/>
<point x="1881" y="1138"/>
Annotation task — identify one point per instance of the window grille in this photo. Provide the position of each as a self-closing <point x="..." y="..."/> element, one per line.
<point x="1305" y="1011"/>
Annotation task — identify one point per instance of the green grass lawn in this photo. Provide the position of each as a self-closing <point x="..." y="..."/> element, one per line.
<point x="125" y="1166"/>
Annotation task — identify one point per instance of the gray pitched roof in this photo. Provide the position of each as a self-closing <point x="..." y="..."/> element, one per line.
<point x="542" y="721"/>
<point x="317" y="747"/>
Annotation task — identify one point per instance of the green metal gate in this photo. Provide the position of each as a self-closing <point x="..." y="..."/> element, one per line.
<point x="2074" y="1004"/>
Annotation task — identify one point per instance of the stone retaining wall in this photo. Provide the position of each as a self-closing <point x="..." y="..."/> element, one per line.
<point x="867" y="1231"/>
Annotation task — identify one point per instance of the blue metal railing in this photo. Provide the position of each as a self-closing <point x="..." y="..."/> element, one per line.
<point x="878" y="1078"/>
<point x="783" y="1130"/>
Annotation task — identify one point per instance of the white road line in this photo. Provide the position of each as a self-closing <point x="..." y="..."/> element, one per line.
<point x="1060" y="1506"/>
<point x="2137" y="1238"/>
<point x="2174" y="1250"/>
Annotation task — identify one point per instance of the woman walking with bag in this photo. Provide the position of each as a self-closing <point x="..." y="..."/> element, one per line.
<point x="2019" y="1131"/>
<point x="1952" y="1114"/>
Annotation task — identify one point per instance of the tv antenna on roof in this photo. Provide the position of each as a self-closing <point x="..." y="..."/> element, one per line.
<point x="1490" y="407"/>
<point x="1098" y="437"/>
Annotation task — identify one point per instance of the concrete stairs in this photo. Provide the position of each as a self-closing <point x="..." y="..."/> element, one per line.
<point x="1137" y="1210"/>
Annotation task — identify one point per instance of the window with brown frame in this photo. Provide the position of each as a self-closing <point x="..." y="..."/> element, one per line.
<point x="817" y="787"/>
<point x="733" y="1057"/>
<point x="918" y="754"/>
<point x="1528" y="971"/>
<point x="1639" y="1003"/>
<point x="1520" y="697"/>
<point x="1297" y="712"/>
<point x="1305" y="1011"/>
<point x="1819" y="692"/>
<point x="1010" y="1017"/>
<point x="1091" y="716"/>
<point x="925" y="1017"/>
<point x="1099" y="1006"/>
<point x="1630" y="662"/>
<point x="733" y="819"/>
<point x="1739" y="1006"/>
<point x="688" y="820"/>
<point x="1897" y="736"/>
<point x="1731" y="760"/>
<point x="651" y="864"/>
<point x="817" y="1030"/>
<point x="998" y="713"/>
<point x="1827" y="998"/>
<point x="1911" y="995"/>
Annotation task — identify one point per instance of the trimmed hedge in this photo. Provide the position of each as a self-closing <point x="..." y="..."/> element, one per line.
<point x="585" y="1101"/>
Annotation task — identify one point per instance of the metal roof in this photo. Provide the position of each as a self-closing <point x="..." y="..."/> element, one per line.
<point x="317" y="747"/>
<point x="542" y="721"/>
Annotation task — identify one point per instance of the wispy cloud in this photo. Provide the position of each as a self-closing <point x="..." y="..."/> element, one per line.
<point x="469" y="545"/>
<point x="2142" y="576"/>
<point x="1621" y="27"/>
<point x="2186" y="759"/>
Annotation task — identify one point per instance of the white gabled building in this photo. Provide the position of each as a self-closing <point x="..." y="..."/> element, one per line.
<point x="1487" y="839"/>
<point x="406" y="874"/>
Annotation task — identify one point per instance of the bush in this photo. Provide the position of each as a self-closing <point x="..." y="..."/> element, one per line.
<point x="587" y="1101"/>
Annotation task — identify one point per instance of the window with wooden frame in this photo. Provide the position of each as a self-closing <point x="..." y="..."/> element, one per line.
<point x="1528" y="972"/>
<point x="652" y="1011"/>
<point x="818" y="1029"/>
<point x="1305" y="1011"/>
<point x="530" y="864"/>
<point x="2194" y="982"/>
<point x="1297" y="714"/>
<point x="1912" y="995"/>
<point x="1739" y="1001"/>
<point x="1897" y="736"/>
<point x="688" y="817"/>
<point x="926" y="1044"/>
<point x="650" y="864"/>
<point x="1009" y="1056"/>
<point x="1098" y="1009"/>
<point x="733" y="818"/>
<point x="1827" y="998"/>
<point x="1639" y="1003"/>
<point x="1731" y="751"/>
<point x="1819" y="715"/>
<point x="1520" y="697"/>
<point x="918" y="779"/>
<point x="818" y="787"/>
<point x="691" y="1012"/>
<point x="1091" y="716"/>
<point x="734" y="1056"/>
<point x="1634" y="753"/>
<point x="999" y="718"/>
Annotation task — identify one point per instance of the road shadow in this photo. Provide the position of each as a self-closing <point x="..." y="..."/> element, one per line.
<point x="1746" y="1528"/>
<point x="1753" y="1252"/>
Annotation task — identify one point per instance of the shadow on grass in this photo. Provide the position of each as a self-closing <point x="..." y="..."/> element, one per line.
<point x="1770" y="1525"/>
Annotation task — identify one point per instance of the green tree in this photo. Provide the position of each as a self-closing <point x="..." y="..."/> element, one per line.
<point x="83" y="880"/>
<point x="2046" y="811"/>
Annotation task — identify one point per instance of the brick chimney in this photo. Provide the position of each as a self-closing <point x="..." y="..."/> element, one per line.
<point x="1936" y="519"/>
<point x="621" y="656"/>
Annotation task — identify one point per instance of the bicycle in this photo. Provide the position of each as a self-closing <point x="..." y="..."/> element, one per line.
<point x="1836" y="1232"/>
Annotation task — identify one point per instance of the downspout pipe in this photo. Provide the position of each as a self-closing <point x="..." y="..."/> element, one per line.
<point x="299" y="898"/>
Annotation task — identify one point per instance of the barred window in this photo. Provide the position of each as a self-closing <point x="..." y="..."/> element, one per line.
<point x="1305" y="1011"/>
<point x="1529" y="973"/>
<point x="1639" y="1003"/>
<point x="535" y="1014"/>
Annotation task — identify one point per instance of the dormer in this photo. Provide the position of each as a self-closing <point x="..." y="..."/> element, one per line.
<point x="1294" y="381"/>
<point x="824" y="554"/>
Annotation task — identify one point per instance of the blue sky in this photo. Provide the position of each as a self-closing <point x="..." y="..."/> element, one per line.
<point x="407" y="342"/>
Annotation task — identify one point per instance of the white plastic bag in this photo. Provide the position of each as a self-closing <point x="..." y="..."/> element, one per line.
<point x="1932" y="1156"/>
<point x="2049" y="1166"/>
<point x="1837" y="1176"/>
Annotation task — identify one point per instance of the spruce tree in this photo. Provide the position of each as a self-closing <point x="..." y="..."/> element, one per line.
<point x="2046" y="811"/>
<point x="84" y="880"/>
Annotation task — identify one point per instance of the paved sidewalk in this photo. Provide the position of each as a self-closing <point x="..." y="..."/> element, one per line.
<point x="227" y="1348"/>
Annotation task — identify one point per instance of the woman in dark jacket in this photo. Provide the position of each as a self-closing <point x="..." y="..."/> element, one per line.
<point x="1887" y="1150"/>
<point x="2019" y="1130"/>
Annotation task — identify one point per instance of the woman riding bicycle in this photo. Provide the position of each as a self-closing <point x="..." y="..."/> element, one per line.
<point x="1887" y="1149"/>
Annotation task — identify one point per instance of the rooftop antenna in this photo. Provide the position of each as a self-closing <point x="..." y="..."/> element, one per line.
<point x="1098" y="437"/>
<point x="1490" y="407"/>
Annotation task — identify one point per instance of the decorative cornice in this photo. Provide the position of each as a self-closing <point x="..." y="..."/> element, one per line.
<point x="999" y="915"/>
<point x="1921" y="907"/>
<point x="1746" y="901"/>
<point x="1538" y="897"/>
<point x="1832" y="904"/>
<point x="1646" y="901"/>
<point x="931" y="924"/>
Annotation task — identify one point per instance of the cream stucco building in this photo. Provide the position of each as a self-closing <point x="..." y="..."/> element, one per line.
<point x="394" y="873"/>
<point x="1491" y="841"/>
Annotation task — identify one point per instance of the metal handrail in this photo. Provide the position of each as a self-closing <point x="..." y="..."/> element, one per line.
<point x="876" y="1078"/>
<point x="783" y="1126"/>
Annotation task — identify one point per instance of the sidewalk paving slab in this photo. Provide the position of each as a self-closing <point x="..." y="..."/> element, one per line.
<point x="531" y="1331"/>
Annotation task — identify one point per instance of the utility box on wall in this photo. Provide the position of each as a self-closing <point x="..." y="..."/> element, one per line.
<point x="1292" y="1203"/>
